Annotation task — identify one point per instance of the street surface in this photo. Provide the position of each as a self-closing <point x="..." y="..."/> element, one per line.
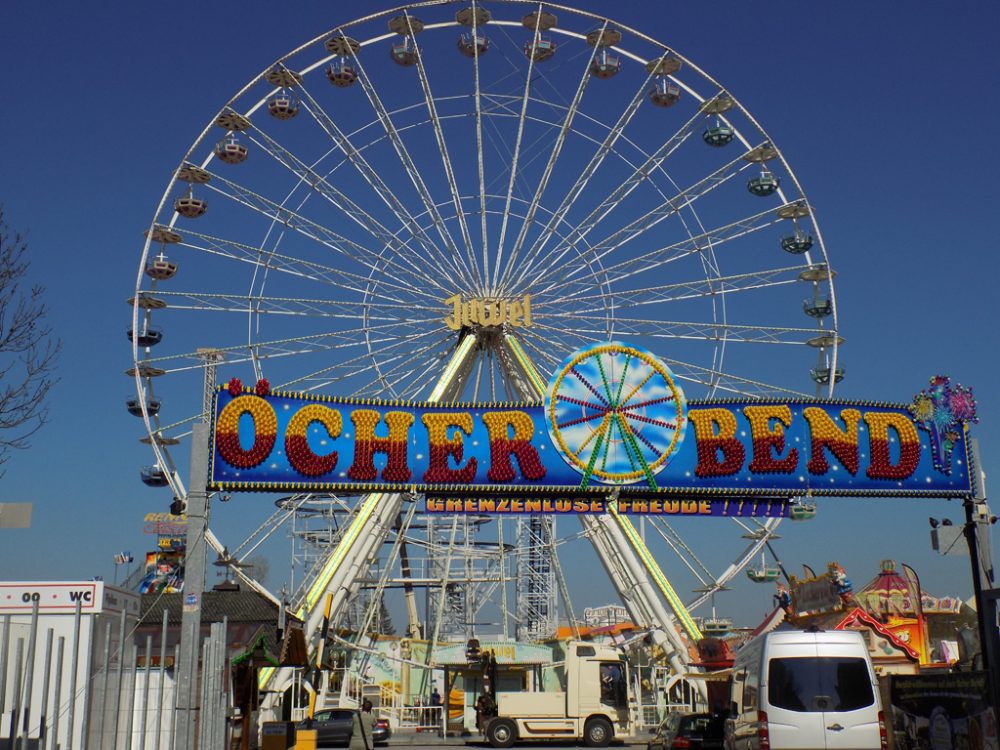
<point x="423" y="739"/>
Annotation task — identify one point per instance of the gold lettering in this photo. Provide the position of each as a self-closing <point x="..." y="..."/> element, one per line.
<point x="493" y="313"/>
<point x="515" y="313"/>
<point x="454" y="321"/>
<point x="488" y="313"/>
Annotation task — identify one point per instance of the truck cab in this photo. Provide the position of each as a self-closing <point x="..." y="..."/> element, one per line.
<point x="594" y="705"/>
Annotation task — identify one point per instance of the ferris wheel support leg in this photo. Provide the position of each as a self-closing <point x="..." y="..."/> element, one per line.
<point x="633" y="585"/>
<point x="357" y="548"/>
<point x="413" y="628"/>
<point x="369" y="528"/>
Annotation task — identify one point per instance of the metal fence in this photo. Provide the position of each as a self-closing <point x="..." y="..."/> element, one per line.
<point x="422" y="718"/>
<point x="93" y="688"/>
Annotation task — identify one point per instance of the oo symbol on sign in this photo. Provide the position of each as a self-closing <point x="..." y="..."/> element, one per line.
<point x="27" y="597"/>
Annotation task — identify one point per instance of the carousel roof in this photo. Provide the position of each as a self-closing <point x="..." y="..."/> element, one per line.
<point x="888" y="581"/>
<point x="891" y="593"/>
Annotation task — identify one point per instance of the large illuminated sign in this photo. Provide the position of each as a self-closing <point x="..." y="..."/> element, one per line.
<point x="614" y="418"/>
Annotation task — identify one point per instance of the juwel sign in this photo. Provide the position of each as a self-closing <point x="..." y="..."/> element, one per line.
<point x="488" y="313"/>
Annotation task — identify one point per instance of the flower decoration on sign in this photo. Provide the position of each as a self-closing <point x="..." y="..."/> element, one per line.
<point x="263" y="387"/>
<point x="943" y="410"/>
<point x="235" y="387"/>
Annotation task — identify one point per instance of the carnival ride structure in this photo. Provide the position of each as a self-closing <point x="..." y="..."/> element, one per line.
<point x="439" y="205"/>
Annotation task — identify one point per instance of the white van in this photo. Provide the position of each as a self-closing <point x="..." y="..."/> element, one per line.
<point x="805" y="690"/>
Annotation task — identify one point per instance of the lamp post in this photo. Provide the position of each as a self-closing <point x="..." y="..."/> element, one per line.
<point x="977" y="518"/>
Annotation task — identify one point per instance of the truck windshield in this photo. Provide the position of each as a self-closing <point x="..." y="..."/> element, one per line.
<point x="819" y="684"/>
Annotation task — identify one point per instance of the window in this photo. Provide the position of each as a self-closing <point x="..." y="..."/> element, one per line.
<point x="613" y="688"/>
<point x="586" y="651"/>
<point x="702" y="726"/>
<point x="669" y="724"/>
<point x="750" y="686"/>
<point x="337" y="714"/>
<point x="819" y="684"/>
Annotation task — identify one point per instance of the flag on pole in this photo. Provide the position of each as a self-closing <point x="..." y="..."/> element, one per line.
<point x="123" y="557"/>
<point x="916" y="600"/>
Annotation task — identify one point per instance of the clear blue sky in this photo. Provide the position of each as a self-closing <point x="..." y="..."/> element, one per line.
<point x="884" y="113"/>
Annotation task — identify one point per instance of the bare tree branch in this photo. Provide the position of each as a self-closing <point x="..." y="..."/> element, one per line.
<point x="28" y="349"/>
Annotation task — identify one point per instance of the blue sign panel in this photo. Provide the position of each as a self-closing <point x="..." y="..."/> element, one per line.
<point x="774" y="449"/>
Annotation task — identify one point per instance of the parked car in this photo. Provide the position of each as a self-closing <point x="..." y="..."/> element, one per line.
<point x="689" y="732"/>
<point x="334" y="726"/>
<point x="381" y="732"/>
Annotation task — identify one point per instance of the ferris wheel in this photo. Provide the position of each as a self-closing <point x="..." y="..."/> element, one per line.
<point x="424" y="203"/>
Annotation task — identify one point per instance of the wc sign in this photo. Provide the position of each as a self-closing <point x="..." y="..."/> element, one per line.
<point x="54" y="597"/>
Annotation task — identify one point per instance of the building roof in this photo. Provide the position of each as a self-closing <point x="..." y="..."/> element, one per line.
<point x="237" y="606"/>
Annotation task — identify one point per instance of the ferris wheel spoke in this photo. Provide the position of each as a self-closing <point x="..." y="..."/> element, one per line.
<point x="749" y="552"/>
<point x="656" y="259"/>
<point x="361" y="336"/>
<point x="414" y="174"/>
<point x="623" y="189"/>
<point x="402" y="352"/>
<point x="538" y="344"/>
<point x="343" y="143"/>
<point x="419" y="361"/>
<point x="683" y="551"/>
<point x="705" y="331"/>
<point x="445" y="157"/>
<point x="323" y="308"/>
<point x="606" y="147"/>
<point x="710" y="287"/>
<point x="337" y="199"/>
<point x="304" y="269"/>
<point x="530" y="153"/>
<point x="567" y="340"/>
<point x="478" y="379"/>
<point x="503" y="152"/>
<point x="169" y="430"/>
<point x="481" y="168"/>
<point x="305" y="227"/>
<point x="665" y="210"/>
<point x="750" y="531"/>
<point x="260" y="535"/>
<point x="570" y="338"/>
<point x="557" y="147"/>
<point x="348" y="368"/>
<point x="418" y="376"/>
<point x="717" y="380"/>
<point x="517" y="146"/>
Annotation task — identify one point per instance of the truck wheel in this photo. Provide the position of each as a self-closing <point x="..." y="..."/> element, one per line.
<point x="597" y="733"/>
<point x="501" y="732"/>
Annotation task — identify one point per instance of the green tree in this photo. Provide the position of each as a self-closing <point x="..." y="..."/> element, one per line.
<point x="28" y="348"/>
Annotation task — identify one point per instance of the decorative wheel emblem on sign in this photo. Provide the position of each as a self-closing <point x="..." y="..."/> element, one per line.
<point x="616" y="414"/>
